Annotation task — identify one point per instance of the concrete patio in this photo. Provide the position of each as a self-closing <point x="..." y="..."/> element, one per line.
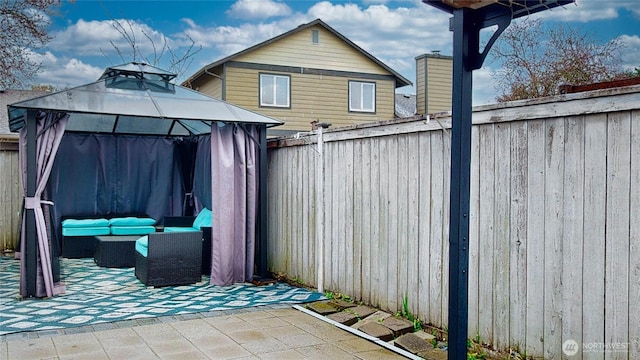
<point x="272" y="332"/>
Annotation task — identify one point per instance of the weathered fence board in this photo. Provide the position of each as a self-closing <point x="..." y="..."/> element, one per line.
<point x="572" y="232"/>
<point x="486" y="155"/>
<point x="10" y="197"/>
<point x="554" y="222"/>
<point x="535" y="237"/>
<point x="617" y="233"/>
<point x="595" y="195"/>
<point x="518" y="236"/>
<point x="634" y="246"/>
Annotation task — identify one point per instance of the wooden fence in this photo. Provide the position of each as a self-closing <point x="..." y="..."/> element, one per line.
<point x="555" y="220"/>
<point x="10" y="194"/>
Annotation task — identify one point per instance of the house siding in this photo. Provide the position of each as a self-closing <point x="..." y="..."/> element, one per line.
<point x="297" y="50"/>
<point x="313" y="97"/>
<point x="434" y="76"/>
<point x="210" y="85"/>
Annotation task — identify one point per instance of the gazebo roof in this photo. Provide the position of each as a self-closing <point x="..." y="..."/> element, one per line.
<point x="136" y="98"/>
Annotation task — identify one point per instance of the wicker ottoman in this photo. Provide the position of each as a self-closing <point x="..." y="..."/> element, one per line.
<point x="116" y="251"/>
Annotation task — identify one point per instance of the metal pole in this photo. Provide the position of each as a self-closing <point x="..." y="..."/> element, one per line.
<point x="262" y="203"/>
<point x="463" y="41"/>
<point x="320" y="212"/>
<point x="31" y="237"/>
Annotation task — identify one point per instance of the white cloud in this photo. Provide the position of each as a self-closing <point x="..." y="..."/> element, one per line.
<point x="93" y="38"/>
<point x="630" y="54"/>
<point x="231" y="39"/>
<point x="65" y="73"/>
<point x="258" y="9"/>
<point x="590" y="10"/>
<point x="484" y="91"/>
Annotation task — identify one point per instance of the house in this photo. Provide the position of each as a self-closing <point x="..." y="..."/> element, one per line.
<point x="309" y="73"/>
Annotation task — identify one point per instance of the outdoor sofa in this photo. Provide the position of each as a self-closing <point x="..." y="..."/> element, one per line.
<point x="79" y="232"/>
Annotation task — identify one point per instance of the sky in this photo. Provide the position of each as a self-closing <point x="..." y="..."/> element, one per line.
<point x="85" y="41"/>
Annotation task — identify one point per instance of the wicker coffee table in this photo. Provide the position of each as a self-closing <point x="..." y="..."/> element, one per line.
<point x="116" y="251"/>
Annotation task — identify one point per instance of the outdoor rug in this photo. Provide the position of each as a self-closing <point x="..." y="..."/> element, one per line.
<point x="97" y="295"/>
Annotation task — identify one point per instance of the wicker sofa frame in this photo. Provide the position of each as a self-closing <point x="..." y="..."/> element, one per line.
<point x="187" y="221"/>
<point x="173" y="258"/>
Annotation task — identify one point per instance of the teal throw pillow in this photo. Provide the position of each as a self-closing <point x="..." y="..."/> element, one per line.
<point x="203" y="219"/>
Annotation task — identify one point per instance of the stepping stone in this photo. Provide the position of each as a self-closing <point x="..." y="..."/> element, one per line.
<point x="412" y="343"/>
<point x="425" y="336"/>
<point x="376" y="330"/>
<point x="376" y="317"/>
<point x="399" y="326"/>
<point x="362" y="311"/>
<point x="343" y="317"/>
<point x="322" y="308"/>
<point x="341" y="304"/>
<point x="433" y="354"/>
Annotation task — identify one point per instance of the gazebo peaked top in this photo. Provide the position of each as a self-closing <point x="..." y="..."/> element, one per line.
<point x="137" y="98"/>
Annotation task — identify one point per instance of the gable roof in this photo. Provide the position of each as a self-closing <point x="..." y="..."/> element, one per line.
<point x="400" y="80"/>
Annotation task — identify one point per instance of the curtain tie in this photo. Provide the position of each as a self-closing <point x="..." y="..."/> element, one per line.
<point x="35" y="202"/>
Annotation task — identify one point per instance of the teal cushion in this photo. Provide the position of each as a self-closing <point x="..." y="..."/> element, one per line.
<point x="132" y="230"/>
<point x="203" y="219"/>
<point x="142" y="246"/>
<point x="132" y="221"/>
<point x="86" y="231"/>
<point x="179" y="229"/>
<point x="80" y="223"/>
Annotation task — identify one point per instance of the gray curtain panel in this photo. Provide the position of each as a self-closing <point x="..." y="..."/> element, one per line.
<point x="234" y="189"/>
<point x="50" y="128"/>
<point x="202" y="174"/>
<point x="98" y="174"/>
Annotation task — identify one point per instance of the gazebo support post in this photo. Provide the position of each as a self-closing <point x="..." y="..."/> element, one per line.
<point x="263" y="272"/>
<point x="466" y="25"/>
<point x="30" y="236"/>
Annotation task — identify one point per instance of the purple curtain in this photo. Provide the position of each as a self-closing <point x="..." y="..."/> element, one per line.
<point x="234" y="189"/>
<point x="50" y="128"/>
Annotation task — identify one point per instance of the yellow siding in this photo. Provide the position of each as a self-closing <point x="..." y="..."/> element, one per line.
<point x="421" y="101"/>
<point x="439" y="86"/>
<point x="208" y="84"/>
<point x="313" y="97"/>
<point x="330" y="53"/>
<point x="433" y="83"/>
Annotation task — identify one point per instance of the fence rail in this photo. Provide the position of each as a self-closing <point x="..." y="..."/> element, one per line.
<point x="555" y="220"/>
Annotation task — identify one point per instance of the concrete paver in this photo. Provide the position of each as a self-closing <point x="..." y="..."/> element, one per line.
<point x="274" y="332"/>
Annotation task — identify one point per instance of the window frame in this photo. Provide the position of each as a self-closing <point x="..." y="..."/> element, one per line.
<point x="274" y="93"/>
<point x="362" y="108"/>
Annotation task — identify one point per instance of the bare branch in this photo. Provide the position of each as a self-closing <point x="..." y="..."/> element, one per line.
<point x="535" y="62"/>
<point x="23" y="29"/>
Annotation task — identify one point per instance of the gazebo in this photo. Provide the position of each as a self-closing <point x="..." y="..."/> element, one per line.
<point x="134" y="142"/>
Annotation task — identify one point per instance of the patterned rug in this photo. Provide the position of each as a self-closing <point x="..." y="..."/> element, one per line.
<point x="96" y="295"/>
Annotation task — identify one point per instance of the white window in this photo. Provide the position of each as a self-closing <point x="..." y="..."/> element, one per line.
<point x="274" y="90"/>
<point x="362" y="96"/>
<point x="315" y="37"/>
